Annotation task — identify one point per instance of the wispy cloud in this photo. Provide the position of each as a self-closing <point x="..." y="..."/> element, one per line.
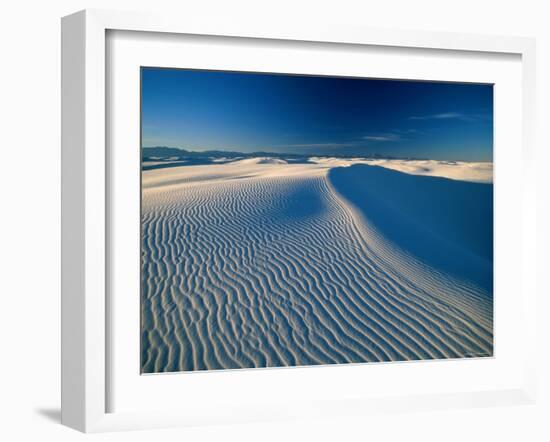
<point x="453" y="116"/>
<point x="317" y="144"/>
<point x="357" y="140"/>
<point x="440" y="116"/>
<point x="382" y="137"/>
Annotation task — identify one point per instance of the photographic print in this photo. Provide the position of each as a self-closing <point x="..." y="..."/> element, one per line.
<point x="297" y="220"/>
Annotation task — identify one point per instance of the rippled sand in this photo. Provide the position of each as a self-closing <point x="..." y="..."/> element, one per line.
<point x="267" y="264"/>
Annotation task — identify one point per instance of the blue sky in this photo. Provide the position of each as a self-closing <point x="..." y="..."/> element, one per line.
<point x="247" y="112"/>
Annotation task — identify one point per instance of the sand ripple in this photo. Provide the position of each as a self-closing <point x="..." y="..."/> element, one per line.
<point x="266" y="265"/>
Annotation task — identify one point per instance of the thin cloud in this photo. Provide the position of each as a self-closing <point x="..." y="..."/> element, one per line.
<point x="382" y="138"/>
<point x="321" y="145"/>
<point x="440" y="116"/>
<point x="453" y="116"/>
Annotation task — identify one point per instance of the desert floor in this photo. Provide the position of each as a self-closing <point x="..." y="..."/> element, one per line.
<point x="265" y="263"/>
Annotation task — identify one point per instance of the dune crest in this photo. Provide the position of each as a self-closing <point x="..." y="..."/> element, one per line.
<point x="261" y="160"/>
<point x="478" y="172"/>
<point x="445" y="223"/>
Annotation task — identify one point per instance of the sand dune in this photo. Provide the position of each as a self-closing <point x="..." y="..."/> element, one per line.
<point x="262" y="264"/>
<point x="260" y="160"/>
<point x="447" y="224"/>
<point x="479" y="172"/>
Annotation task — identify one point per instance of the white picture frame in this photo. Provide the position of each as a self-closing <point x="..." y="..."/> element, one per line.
<point x="85" y="209"/>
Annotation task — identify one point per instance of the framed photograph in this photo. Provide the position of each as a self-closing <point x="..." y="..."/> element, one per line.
<point x="276" y="223"/>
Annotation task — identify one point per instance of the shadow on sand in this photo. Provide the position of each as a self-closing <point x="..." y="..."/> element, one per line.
<point x="445" y="223"/>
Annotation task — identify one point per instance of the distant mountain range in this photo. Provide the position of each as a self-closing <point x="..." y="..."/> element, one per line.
<point x="163" y="153"/>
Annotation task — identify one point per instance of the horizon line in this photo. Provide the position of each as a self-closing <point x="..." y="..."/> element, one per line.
<point x="374" y="154"/>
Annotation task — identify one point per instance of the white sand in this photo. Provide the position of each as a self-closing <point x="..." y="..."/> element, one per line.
<point x="263" y="264"/>
<point x="478" y="172"/>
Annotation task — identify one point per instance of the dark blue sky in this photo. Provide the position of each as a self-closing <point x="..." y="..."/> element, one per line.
<point x="246" y="112"/>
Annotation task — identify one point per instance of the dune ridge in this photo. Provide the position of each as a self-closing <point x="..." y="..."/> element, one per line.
<point x="266" y="264"/>
<point x="475" y="172"/>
